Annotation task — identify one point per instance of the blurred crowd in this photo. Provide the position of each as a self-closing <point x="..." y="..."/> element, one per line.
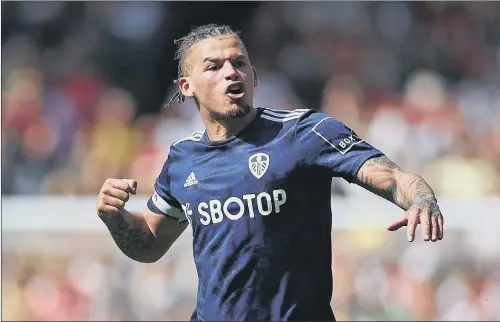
<point x="376" y="277"/>
<point x="419" y="80"/>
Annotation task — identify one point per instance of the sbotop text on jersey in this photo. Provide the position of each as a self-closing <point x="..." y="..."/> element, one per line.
<point x="233" y="208"/>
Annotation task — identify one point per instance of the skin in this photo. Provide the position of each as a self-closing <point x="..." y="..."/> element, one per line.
<point x="406" y="190"/>
<point x="143" y="236"/>
<point x="212" y="65"/>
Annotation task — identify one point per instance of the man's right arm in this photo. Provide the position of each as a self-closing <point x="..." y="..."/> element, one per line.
<point x="144" y="237"/>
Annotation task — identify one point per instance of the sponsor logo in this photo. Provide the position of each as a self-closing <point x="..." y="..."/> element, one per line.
<point x="233" y="208"/>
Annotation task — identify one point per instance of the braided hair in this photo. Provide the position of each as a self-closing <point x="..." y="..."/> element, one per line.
<point x="178" y="96"/>
<point x="185" y="43"/>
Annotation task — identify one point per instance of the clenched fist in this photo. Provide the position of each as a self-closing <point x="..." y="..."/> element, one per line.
<point x="114" y="194"/>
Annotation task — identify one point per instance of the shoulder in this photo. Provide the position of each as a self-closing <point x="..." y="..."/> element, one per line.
<point x="304" y="121"/>
<point x="283" y="116"/>
<point x="305" y="117"/>
<point x="185" y="144"/>
<point x="314" y="121"/>
<point x="317" y="128"/>
<point x="179" y="149"/>
<point x="313" y="118"/>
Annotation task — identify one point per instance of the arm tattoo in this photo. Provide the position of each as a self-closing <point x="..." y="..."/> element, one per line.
<point x="375" y="176"/>
<point x="384" y="178"/>
<point x="132" y="237"/>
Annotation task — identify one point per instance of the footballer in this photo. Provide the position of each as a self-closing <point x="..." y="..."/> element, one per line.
<point x="255" y="188"/>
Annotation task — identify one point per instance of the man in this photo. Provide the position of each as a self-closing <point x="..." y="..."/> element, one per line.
<point x="255" y="188"/>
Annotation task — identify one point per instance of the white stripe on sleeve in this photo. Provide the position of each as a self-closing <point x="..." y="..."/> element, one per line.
<point x="166" y="208"/>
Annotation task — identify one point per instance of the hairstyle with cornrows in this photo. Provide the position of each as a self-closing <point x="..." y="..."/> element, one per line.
<point x="185" y="43"/>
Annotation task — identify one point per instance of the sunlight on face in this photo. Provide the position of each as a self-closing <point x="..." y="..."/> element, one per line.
<point x="220" y="77"/>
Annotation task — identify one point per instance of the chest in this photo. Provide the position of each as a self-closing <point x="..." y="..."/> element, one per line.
<point x="229" y="184"/>
<point x="231" y="172"/>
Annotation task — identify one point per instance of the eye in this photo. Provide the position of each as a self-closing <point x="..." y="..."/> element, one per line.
<point x="239" y="63"/>
<point x="212" y="67"/>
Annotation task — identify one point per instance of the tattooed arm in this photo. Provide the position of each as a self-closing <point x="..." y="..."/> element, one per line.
<point x="384" y="178"/>
<point x="325" y="143"/>
<point x="408" y="191"/>
<point x="144" y="237"/>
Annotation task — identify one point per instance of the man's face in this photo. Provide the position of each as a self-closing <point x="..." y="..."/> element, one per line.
<point x="220" y="77"/>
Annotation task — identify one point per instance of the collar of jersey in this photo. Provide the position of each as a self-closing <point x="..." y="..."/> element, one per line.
<point x="205" y="139"/>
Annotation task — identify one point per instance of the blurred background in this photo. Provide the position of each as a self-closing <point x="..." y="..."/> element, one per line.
<point x="83" y="85"/>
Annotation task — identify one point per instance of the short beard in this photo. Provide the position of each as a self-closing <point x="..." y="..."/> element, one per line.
<point x="240" y="111"/>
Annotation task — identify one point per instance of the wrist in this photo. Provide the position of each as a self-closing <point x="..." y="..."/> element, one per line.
<point x="427" y="198"/>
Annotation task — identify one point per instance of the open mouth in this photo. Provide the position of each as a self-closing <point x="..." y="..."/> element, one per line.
<point x="235" y="90"/>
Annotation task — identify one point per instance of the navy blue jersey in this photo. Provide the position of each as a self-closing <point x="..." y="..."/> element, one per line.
<point x="259" y="204"/>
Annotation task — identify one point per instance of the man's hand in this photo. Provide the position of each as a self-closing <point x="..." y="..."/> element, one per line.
<point x="408" y="191"/>
<point x="426" y="213"/>
<point x="114" y="194"/>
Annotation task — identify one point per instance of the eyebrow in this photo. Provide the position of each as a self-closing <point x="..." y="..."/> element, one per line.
<point x="237" y="57"/>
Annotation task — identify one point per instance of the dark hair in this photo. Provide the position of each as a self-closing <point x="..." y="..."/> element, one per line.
<point x="196" y="35"/>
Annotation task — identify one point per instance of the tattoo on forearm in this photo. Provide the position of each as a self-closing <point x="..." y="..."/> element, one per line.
<point x="131" y="238"/>
<point x="411" y="190"/>
<point x="383" y="160"/>
<point x="378" y="175"/>
<point x="375" y="177"/>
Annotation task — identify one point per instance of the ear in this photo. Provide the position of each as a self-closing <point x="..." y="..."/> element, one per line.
<point x="185" y="87"/>
<point x="255" y="78"/>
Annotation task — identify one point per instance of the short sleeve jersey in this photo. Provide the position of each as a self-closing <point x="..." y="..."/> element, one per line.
<point x="259" y="204"/>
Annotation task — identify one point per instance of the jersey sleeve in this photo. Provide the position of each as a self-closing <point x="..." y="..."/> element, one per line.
<point x="326" y="143"/>
<point x="162" y="201"/>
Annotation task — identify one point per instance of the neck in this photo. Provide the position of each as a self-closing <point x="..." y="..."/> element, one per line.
<point x="223" y="129"/>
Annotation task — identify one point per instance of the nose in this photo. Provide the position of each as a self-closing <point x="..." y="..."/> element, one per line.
<point x="230" y="73"/>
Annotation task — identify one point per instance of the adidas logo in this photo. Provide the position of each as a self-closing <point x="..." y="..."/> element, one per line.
<point x="191" y="180"/>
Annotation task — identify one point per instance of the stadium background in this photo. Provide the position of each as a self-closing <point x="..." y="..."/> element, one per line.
<point x="82" y="89"/>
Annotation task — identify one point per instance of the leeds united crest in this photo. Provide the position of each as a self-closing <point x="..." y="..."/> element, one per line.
<point x="258" y="164"/>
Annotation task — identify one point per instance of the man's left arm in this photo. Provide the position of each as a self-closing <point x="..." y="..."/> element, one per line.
<point x="331" y="147"/>
<point x="408" y="191"/>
